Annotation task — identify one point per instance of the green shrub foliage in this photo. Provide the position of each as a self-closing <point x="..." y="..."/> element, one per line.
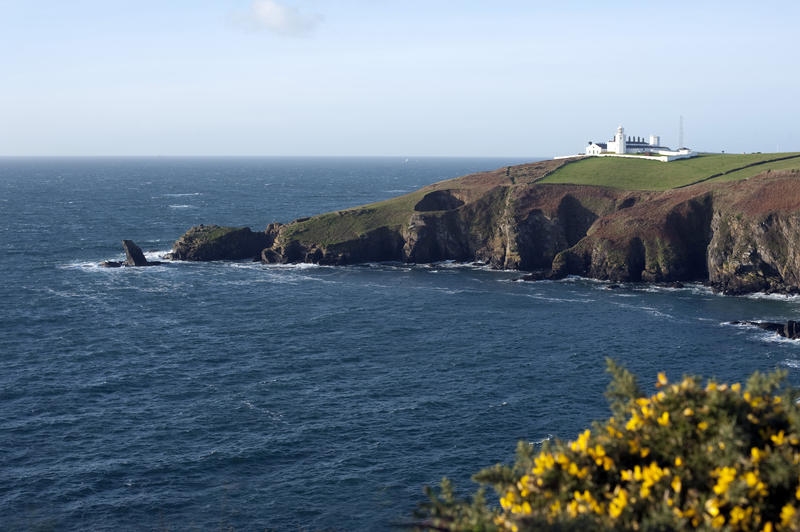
<point x="691" y="456"/>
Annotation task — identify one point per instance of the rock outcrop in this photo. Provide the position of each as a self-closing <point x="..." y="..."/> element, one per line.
<point x="741" y="236"/>
<point x="790" y="329"/>
<point x="213" y="242"/>
<point x="133" y="254"/>
<point x="133" y="257"/>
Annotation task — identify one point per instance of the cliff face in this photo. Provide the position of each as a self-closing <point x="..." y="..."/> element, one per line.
<point x="755" y="244"/>
<point x="741" y="236"/>
<point x="212" y="242"/>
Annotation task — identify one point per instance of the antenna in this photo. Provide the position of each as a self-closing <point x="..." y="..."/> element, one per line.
<point x="680" y="133"/>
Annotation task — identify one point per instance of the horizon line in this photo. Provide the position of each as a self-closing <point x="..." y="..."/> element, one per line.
<point x="43" y="156"/>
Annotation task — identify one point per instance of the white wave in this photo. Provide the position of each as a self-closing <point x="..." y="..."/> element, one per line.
<point x="476" y="265"/>
<point x="774" y="338"/>
<point x="153" y="256"/>
<point x="180" y="195"/>
<point x="649" y="310"/>
<point x="775" y="297"/>
<point x="270" y="413"/>
<point x="560" y="299"/>
<point x="157" y="255"/>
<point x="794" y="364"/>
<point x="84" y="266"/>
<point x="390" y="266"/>
<point x="542" y="440"/>
<point x="654" y="289"/>
<point x="551" y="299"/>
<point x="183" y="206"/>
<point x="296" y="266"/>
<point x="762" y="335"/>
<point x="449" y="291"/>
<point x="700" y="289"/>
<point x="578" y="278"/>
<point x="743" y="326"/>
<point x="249" y="265"/>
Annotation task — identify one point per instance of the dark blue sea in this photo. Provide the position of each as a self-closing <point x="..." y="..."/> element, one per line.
<point x="233" y="395"/>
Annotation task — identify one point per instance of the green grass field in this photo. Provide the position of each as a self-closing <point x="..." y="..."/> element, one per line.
<point x="348" y="224"/>
<point x="635" y="174"/>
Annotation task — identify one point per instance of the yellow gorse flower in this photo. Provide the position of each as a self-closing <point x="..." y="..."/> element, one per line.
<point x="618" y="503"/>
<point x="739" y="515"/>
<point x="725" y="476"/>
<point x="634" y="423"/>
<point x="787" y="514"/>
<point x="756" y="455"/>
<point x="712" y="507"/>
<point x="612" y="476"/>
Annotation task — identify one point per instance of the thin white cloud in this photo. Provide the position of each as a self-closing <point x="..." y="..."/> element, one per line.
<point x="277" y="17"/>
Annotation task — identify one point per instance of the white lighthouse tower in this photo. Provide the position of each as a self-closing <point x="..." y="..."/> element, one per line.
<point x="619" y="140"/>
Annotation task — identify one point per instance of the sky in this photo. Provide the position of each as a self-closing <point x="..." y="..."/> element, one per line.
<point x="393" y="78"/>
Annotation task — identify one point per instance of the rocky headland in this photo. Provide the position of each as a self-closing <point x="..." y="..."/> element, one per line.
<point x="738" y="236"/>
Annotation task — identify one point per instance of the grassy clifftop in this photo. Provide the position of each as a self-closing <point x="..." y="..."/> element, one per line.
<point x="616" y="173"/>
<point x="643" y="174"/>
<point x="353" y="223"/>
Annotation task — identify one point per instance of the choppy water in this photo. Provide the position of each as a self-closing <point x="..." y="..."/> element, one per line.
<point x="236" y="395"/>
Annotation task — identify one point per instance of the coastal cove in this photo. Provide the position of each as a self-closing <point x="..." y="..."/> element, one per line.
<point x="236" y="394"/>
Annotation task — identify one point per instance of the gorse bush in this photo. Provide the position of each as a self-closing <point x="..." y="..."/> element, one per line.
<point x="692" y="456"/>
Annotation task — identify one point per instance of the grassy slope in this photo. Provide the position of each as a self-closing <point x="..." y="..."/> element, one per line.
<point x="637" y="174"/>
<point x="353" y="223"/>
<point x="617" y="173"/>
<point x="790" y="164"/>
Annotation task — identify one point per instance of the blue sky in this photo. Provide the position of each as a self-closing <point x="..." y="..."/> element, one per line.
<point x="435" y="77"/>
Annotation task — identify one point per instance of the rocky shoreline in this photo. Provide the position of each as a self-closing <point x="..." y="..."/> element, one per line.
<point x="789" y="330"/>
<point x="736" y="237"/>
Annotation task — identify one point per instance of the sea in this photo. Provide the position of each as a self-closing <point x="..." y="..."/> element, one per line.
<point x="242" y="396"/>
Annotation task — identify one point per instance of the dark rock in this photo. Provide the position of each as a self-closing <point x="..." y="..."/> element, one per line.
<point x="269" y="256"/>
<point x="133" y="257"/>
<point x="542" y="275"/>
<point x="612" y="287"/>
<point x="790" y="329"/>
<point x="212" y="242"/>
<point x="133" y="254"/>
<point x="675" y="284"/>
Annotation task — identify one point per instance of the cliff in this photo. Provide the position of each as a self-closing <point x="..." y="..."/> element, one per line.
<point x="741" y="236"/>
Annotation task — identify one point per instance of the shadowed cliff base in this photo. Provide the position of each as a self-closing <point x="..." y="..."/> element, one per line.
<point x="739" y="236"/>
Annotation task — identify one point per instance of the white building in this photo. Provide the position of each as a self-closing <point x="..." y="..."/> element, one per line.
<point x="621" y="144"/>
<point x="651" y="148"/>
